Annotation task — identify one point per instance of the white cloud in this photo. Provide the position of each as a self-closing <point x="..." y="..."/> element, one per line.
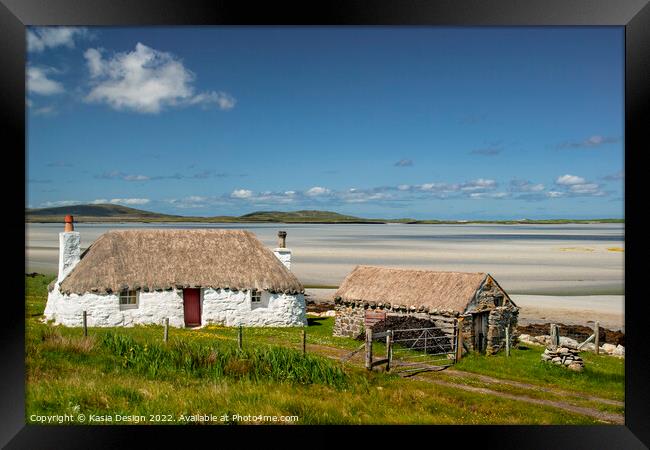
<point x="481" y="195"/>
<point x="45" y="111"/>
<point x="136" y="178"/>
<point x="53" y="204"/>
<point x="146" y="81"/>
<point x="404" y="163"/>
<point x="115" y="174"/>
<point x="223" y="100"/>
<point x="587" y="188"/>
<point x="620" y="175"/>
<point x="525" y="186"/>
<point x="38" y="39"/>
<point x="38" y="82"/>
<point x="479" y="184"/>
<point x="573" y="185"/>
<point x="130" y="201"/>
<point x="241" y="193"/>
<point x="592" y="141"/>
<point x="317" y="191"/>
<point x="567" y="180"/>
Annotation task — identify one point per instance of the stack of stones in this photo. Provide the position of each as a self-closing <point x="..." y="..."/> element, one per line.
<point x="565" y="356"/>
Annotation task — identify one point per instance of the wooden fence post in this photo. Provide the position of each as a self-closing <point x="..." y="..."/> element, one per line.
<point x="166" y="335"/>
<point x="369" y="348"/>
<point x="85" y="323"/>
<point x="508" y="340"/>
<point x="389" y="349"/>
<point x="239" y="338"/>
<point x="555" y="338"/>
<point x="304" y="341"/>
<point x="459" y="338"/>
<point x="597" y="336"/>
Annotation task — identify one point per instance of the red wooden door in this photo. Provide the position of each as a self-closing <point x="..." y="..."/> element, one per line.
<point x="192" y="307"/>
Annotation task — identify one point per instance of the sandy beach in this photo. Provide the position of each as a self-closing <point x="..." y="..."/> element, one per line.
<point x="554" y="272"/>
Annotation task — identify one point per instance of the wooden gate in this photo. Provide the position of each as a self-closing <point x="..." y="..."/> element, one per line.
<point x="414" y="350"/>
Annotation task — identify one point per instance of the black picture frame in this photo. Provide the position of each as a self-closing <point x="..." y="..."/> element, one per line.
<point x="634" y="15"/>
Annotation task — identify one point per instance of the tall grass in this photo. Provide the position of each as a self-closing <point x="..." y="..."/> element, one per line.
<point x="213" y="361"/>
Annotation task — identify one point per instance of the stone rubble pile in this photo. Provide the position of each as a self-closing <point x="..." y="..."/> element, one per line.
<point x="608" y="349"/>
<point x="564" y="356"/>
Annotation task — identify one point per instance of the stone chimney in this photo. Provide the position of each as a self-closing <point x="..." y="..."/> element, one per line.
<point x="69" y="248"/>
<point x="282" y="252"/>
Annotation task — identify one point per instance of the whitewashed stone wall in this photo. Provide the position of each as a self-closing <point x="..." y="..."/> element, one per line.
<point x="221" y="306"/>
<point x="224" y="307"/>
<point x="284" y="255"/>
<point x="69" y="252"/>
<point x="103" y="310"/>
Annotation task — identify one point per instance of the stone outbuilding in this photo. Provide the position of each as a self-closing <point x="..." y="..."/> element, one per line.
<point x="193" y="277"/>
<point x="370" y="294"/>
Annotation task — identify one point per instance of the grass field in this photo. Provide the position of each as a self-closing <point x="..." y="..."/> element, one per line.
<point x="130" y="372"/>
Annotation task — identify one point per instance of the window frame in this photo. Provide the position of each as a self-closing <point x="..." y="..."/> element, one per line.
<point x="255" y="294"/>
<point x="127" y="293"/>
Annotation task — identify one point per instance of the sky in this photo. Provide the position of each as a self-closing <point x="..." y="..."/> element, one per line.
<point x="383" y="122"/>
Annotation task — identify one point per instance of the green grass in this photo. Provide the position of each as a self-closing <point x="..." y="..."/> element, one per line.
<point x="130" y="371"/>
<point x="603" y="376"/>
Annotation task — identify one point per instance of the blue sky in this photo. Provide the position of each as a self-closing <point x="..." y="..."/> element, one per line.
<point x="422" y="122"/>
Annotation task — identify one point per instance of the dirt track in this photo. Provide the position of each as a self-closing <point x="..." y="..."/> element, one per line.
<point x="457" y="376"/>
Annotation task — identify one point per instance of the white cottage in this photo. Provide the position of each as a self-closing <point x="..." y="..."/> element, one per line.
<point x="192" y="277"/>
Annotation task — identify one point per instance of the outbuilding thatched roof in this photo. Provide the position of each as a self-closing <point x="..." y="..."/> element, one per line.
<point x="166" y="259"/>
<point x="440" y="290"/>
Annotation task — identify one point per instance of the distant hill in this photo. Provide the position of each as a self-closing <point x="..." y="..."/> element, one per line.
<point x="118" y="213"/>
<point x="312" y="216"/>
<point x="95" y="213"/>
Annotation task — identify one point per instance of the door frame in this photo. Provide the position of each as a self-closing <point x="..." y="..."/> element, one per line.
<point x="200" y="307"/>
<point x="480" y="324"/>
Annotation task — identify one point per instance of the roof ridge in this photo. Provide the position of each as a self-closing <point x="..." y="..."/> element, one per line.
<point x="403" y="269"/>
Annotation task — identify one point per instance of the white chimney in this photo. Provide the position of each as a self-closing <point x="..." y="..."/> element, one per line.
<point x="69" y="248"/>
<point x="282" y="252"/>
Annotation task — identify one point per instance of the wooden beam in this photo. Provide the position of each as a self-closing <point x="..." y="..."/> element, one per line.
<point x="589" y="339"/>
<point x="379" y="362"/>
<point x="369" y="348"/>
<point x="389" y="349"/>
<point x="459" y="339"/>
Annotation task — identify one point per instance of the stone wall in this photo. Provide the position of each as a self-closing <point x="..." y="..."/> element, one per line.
<point x="489" y="298"/>
<point x="69" y="252"/>
<point x="349" y="320"/>
<point x="218" y="306"/>
<point x="224" y="307"/>
<point x="500" y="318"/>
<point x="284" y="255"/>
<point x="350" y="315"/>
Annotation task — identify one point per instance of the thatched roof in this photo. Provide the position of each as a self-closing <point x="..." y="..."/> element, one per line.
<point x="165" y="259"/>
<point x="440" y="290"/>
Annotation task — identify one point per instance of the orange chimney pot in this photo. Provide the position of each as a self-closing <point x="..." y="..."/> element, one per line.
<point x="68" y="223"/>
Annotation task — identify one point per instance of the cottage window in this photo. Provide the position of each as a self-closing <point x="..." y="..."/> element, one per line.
<point x="128" y="299"/>
<point x="256" y="296"/>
